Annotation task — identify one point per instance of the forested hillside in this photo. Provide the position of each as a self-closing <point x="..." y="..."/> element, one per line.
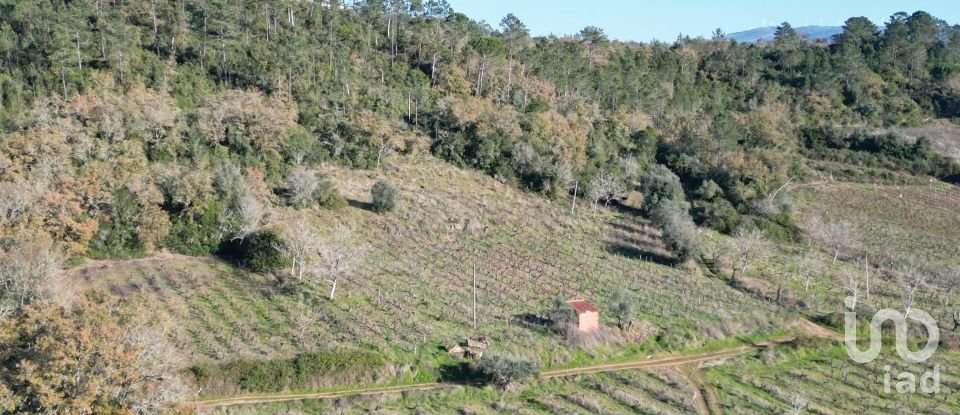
<point x="119" y="117"/>
<point x="131" y="127"/>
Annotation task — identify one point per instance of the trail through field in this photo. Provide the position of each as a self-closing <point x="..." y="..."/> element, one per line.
<point x="664" y="362"/>
<point x="705" y="401"/>
<point x="816" y="330"/>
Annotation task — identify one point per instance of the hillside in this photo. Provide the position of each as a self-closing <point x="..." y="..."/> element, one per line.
<point x="766" y="34"/>
<point x="412" y="292"/>
<point x="205" y="200"/>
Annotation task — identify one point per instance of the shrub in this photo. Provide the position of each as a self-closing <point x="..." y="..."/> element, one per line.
<point x="311" y="370"/>
<point x="504" y="370"/>
<point x="196" y="233"/>
<point x="305" y="187"/>
<point x="261" y="251"/>
<point x="118" y="236"/>
<point x="384" y="196"/>
<point x="561" y="315"/>
<point x="328" y="196"/>
<point x="678" y="230"/>
<point x="621" y="305"/>
<point x="660" y="185"/>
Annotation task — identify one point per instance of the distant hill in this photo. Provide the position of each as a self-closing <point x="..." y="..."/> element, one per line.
<point x="766" y="33"/>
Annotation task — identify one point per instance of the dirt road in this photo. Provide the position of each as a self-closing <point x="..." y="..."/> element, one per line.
<point x="637" y="364"/>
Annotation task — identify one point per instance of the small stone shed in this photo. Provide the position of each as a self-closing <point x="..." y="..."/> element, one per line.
<point x="588" y="316"/>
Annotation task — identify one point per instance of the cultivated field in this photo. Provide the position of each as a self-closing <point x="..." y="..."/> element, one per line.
<point x="826" y="379"/>
<point x="412" y="294"/>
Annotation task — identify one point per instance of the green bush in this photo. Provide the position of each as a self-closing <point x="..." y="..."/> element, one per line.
<point x="117" y="237"/>
<point x="384" y="196"/>
<point x="679" y="231"/>
<point x="311" y="370"/>
<point x="328" y="196"/>
<point x="196" y="233"/>
<point x="504" y="370"/>
<point x="660" y="185"/>
<point x="621" y="305"/>
<point x="261" y="252"/>
<point x="560" y="315"/>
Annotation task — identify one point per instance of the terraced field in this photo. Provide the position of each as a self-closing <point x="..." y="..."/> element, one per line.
<point x="413" y="293"/>
<point x="894" y="222"/>
<point x="661" y="391"/>
<point x="830" y="383"/>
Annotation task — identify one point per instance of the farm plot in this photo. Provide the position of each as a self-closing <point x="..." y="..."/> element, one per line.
<point x="825" y="380"/>
<point x="893" y="223"/>
<point x="414" y="291"/>
<point x="661" y="391"/>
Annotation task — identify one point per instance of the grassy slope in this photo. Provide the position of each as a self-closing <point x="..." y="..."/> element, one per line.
<point x="412" y="294"/>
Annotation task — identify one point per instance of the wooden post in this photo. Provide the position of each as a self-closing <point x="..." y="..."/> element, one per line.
<point x="573" y="206"/>
<point x="474" y="295"/>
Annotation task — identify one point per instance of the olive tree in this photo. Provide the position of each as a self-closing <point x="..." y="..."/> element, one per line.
<point x="504" y="370"/>
<point x="384" y="196"/>
<point x="677" y="230"/>
<point x="621" y="305"/>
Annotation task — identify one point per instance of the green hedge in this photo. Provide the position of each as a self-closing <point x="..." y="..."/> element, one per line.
<point x="307" y="371"/>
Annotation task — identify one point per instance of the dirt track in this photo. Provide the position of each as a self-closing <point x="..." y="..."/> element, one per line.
<point x="637" y="364"/>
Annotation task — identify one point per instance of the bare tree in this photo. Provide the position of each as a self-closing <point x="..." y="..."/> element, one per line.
<point x="523" y="157"/>
<point x="26" y="271"/>
<point x="568" y="181"/>
<point x="300" y="246"/>
<point x="913" y="280"/>
<point x="15" y="199"/>
<point x="337" y="257"/>
<point x="749" y="247"/>
<point x="630" y="168"/>
<point x="158" y="364"/>
<point x="797" y="404"/>
<point x="305" y="318"/>
<point x="385" y="148"/>
<point x="302" y="184"/>
<point x="838" y="235"/>
<point x="243" y="217"/>
<point x="808" y="267"/>
<point x="605" y="187"/>
<point x="852" y="287"/>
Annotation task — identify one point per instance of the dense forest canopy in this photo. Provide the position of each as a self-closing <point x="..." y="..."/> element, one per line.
<point x="134" y="125"/>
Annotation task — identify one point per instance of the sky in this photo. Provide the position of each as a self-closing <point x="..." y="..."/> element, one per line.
<point x="645" y="20"/>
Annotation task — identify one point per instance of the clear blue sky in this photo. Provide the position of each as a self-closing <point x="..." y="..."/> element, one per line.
<point x="644" y="20"/>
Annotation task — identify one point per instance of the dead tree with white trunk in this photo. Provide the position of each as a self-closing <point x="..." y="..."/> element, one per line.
<point x="300" y="246"/>
<point x="912" y="282"/>
<point x="838" y="236"/>
<point x="852" y="287"/>
<point x="749" y="247"/>
<point x="337" y="257"/>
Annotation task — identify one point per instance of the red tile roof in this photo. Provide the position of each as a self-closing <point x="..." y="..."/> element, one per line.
<point x="582" y="306"/>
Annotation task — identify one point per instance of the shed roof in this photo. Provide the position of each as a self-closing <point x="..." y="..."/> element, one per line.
<point x="582" y="306"/>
